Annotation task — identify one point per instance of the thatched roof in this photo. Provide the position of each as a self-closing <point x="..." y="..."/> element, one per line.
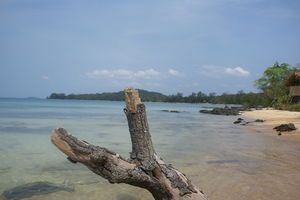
<point x="294" y="79"/>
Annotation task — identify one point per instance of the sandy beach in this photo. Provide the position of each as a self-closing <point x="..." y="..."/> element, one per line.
<point x="276" y="117"/>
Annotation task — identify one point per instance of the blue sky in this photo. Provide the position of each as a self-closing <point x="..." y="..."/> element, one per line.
<point x="165" y="45"/>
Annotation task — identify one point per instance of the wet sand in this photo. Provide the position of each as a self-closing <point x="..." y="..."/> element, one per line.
<point x="274" y="118"/>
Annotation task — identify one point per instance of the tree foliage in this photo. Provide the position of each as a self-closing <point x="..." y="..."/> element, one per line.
<point x="242" y="98"/>
<point x="272" y="83"/>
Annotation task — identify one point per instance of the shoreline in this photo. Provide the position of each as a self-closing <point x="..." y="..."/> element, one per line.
<point x="275" y="118"/>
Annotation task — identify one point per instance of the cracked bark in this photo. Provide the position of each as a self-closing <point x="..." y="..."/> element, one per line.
<point x="144" y="169"/>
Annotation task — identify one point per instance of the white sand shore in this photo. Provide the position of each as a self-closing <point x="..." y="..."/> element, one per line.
<point x="276" y="117"/>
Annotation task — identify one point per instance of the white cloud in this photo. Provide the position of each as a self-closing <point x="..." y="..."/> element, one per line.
<point x="237" y="71"/>
<point x="174" y="72"/>
<point x="124" y="74"/>
<point x="150" y="73"/>
<point x="219" y="72"/>
<point x="45" y="77"/>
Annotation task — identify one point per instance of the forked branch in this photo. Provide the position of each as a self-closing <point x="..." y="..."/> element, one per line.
<point x="144" y="169"/>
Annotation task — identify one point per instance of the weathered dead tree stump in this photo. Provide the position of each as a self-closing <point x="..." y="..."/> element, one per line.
<point x="144" y="169"/>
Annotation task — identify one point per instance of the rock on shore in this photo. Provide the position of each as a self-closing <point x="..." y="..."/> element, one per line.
<point x="285" y="127"/>
<point x="224" y="111"/>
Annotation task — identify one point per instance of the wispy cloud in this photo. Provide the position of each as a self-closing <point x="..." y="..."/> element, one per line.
<point x="218" y="72"/>
<point x="124" y="74"/>
<point x="237" y="71"/>
<point x="173" y="72"/>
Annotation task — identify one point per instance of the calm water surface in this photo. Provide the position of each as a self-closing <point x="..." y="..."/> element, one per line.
<point x="226" y="161"/>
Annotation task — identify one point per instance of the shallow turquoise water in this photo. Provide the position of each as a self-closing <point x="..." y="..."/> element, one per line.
<point x="225" y="160"/>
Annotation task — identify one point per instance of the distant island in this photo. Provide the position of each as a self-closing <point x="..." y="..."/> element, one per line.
<point x="279" y="86"/>
<point x="110" y="96"/>
<point x="242" y="98"/>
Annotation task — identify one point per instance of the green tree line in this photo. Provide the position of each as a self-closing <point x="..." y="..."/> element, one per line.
<point x="248" y="99"/>
<point x="271" y="84"/>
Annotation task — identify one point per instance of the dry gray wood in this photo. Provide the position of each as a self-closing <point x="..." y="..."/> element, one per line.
<point x="144" y="169"/>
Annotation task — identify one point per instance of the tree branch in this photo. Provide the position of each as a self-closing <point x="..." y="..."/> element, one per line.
<point x="144" y="169"/>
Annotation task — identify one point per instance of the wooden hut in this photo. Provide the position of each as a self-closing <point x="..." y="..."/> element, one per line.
<point x="293" y="83"/>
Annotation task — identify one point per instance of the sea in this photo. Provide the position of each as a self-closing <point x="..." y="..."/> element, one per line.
<point x="225" y="160"/>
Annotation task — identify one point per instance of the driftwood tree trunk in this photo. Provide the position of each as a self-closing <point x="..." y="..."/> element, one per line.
<point x="144" y="169"/>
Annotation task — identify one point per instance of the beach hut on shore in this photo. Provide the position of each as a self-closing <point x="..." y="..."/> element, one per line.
<point x="293" y="83"/>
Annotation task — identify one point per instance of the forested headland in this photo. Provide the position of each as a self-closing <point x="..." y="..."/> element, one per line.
<point x="271" y="84"/>
<point x="247" y="99"/>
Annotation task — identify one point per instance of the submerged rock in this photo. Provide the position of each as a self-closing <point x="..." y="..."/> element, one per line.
<point x="222" y="111"/>
<point x="242" y="122"/>
<point x="259" y="120"/>
<point x="245" y="123"/>
<point x="285" y="127"/>
<point x="239" y="120"/>
<point x="32" y="189"/>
